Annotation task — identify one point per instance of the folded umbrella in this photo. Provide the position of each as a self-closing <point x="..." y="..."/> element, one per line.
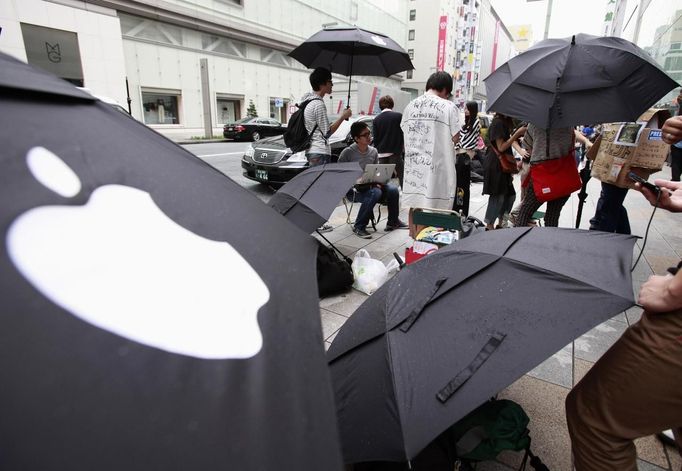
<point x="578" y="80"/>
<point x="150" y="318"/>
<point x="308" y="199"/>
<point x="349" y="51"/>
<point x="450" y="331"/>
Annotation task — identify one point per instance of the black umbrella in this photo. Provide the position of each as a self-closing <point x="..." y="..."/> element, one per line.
<point x="450" y="331"/>
<point x="578" y="80"/>
<point x="309" y="198"/>
<point x="349" y="51"/>
<point x="151" y="319"/>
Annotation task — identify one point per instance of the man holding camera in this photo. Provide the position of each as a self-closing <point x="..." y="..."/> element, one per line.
<point x="635" y="389"/>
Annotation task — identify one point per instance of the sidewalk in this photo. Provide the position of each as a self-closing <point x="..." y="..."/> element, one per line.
<point x="543" y="390"/>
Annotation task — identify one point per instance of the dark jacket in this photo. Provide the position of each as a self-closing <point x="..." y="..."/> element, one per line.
<point x="388" y="137"/>
<point x="495" y="182"/>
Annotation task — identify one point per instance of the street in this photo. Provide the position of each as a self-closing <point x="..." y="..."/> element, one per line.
<point x="226" y="157"/>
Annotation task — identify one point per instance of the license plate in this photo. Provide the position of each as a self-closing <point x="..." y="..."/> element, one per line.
<point x="230" y="129"/>
<point x="262" y="174"/>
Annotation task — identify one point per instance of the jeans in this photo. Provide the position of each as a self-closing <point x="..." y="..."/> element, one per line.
<point x="611" y="215"/>
<point x="675" y="163"/>
<point x="369" y="197"/>
<point x="498" y="206"/>
<point x="315" y="159"/>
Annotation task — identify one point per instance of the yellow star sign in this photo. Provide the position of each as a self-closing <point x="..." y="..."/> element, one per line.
<point x="522" y="32"/>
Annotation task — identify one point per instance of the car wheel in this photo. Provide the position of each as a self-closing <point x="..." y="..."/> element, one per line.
<point x="255" y="135"/>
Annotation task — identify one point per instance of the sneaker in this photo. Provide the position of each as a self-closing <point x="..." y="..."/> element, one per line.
<point x="667" y="437"/>
<point x="397" y="225"/>
<point x="325" y="228"/>
<point x="361" y="233"/>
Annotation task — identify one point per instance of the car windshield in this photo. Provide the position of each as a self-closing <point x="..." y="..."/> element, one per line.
<point x="343" y="131"/>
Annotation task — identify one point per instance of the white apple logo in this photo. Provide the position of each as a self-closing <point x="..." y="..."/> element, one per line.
<point x="378" y="40"/>
<point x="121" y="264"/>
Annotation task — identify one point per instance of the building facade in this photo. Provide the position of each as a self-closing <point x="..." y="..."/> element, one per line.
<point x="190" y="66"/>
<point x="466" y="38"/>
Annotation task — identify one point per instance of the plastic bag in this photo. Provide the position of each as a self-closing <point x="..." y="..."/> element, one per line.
<point x="369" y="273"/>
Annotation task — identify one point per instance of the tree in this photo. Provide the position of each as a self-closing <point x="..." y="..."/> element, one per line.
<point x="251" y="111"/>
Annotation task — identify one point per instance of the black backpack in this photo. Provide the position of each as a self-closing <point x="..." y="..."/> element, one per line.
<point x="296" y="136"/>
<point x="334" y="275"/>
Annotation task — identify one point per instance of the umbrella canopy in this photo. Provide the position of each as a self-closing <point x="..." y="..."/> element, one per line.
<point x="309" y="198"/>
<point x="450" y="331"/>
<point x="578" y="80"/>
<point x="150" y="318"/>
<point x="349" y="51"/>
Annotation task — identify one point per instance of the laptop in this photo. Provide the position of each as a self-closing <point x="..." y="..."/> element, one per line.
<point x="377" y="173"/>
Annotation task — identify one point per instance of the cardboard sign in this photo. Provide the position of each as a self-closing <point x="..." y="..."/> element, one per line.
<point x="625" y="147"/>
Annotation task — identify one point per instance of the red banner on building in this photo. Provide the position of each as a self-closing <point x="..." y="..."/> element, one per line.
<point x="442" y="32"/>
<point x="497" y="37"/>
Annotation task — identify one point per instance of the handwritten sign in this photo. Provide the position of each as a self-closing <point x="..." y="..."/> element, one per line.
<point x="429" y="152"/>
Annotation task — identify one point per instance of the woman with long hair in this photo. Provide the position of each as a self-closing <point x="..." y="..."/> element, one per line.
<point x="465" y="150"/>
<point x="497" y="184"/>
<point x="471" y="130"/>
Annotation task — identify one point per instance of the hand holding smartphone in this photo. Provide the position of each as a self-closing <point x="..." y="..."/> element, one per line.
<point x="636" y="178"/>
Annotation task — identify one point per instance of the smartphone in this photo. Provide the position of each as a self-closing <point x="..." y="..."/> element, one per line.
<point x="636" y="178"/>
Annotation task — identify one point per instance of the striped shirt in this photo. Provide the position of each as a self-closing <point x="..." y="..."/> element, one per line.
<point x="316" y="113"/>
<point x="561" y="142"/>
<point x="468" y="139"/>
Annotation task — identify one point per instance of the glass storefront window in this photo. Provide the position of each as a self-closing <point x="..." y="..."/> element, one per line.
<point x="160" y="108"/>
<point x="228" y="111"/>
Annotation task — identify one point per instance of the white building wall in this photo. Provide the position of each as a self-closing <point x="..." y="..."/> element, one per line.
<point x="99" y="39"/>
<point x="165" y="57"/>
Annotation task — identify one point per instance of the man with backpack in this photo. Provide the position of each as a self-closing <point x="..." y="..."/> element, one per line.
<point x="318" y="151"/>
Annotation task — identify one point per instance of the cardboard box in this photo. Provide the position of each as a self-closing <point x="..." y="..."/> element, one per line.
<point x="625" y="147"/>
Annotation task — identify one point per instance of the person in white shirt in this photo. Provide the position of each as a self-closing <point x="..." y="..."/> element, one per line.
<point x="431" y="125"/>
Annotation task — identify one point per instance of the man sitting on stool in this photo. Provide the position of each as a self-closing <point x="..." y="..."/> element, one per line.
<point x="369" y="194"/>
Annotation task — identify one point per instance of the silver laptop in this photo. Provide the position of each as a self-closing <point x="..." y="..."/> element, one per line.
<point x="377" y="173"/>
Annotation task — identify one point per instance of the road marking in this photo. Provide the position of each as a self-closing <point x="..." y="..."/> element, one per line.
<point x="216" y="155"/>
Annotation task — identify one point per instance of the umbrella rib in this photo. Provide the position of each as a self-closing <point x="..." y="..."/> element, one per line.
<point x="520" y="262"/>
<point x="395" y="393"/>
<point x="500" y="257"/>
<point x="298" y="200"/>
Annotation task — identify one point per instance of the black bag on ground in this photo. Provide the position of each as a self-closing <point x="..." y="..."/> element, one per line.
<point x="334" y="275"/>
<point x="296" y="136"/>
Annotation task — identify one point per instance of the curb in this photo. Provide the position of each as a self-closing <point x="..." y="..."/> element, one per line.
<point x="201" y="141"/>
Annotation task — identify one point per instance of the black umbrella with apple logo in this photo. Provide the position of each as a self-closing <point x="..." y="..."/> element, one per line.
<point x="151" y="316"/>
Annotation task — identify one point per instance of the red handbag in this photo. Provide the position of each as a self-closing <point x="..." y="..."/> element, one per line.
<point x="507" y="162"/>
<point x="555" y="178"/>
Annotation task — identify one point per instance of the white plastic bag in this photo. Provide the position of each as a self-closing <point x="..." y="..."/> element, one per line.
<point x="370" y="274"/>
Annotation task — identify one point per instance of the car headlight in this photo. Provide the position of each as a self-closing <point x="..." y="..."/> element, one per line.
<point x="249" y="152"/>
<point x="298" y="157"/>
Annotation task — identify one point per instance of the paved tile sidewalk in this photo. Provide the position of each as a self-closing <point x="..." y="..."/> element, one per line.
<point x="541" y="391"/>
